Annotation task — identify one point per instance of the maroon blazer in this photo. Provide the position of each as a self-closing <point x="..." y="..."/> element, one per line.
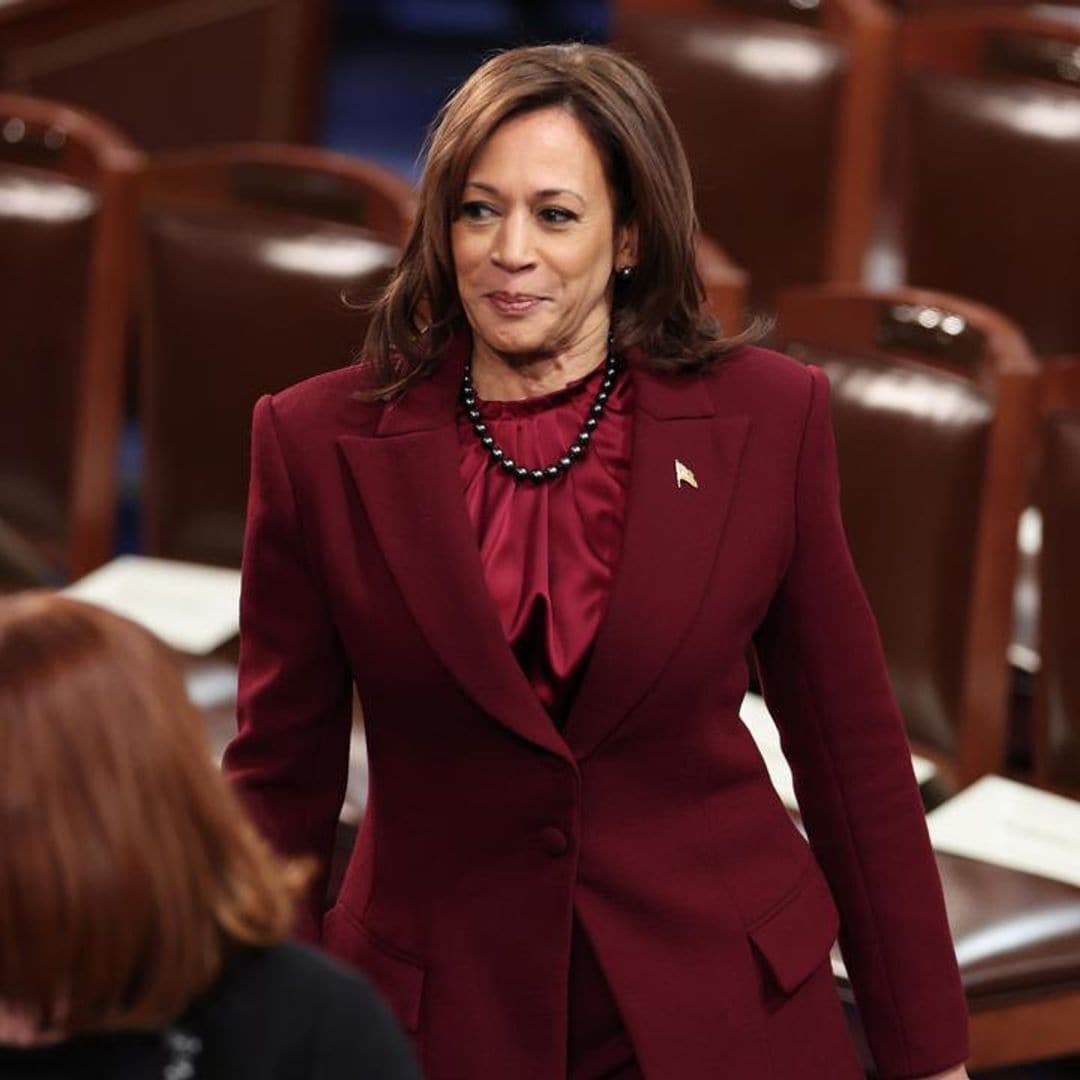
<point x="652" y="817"/>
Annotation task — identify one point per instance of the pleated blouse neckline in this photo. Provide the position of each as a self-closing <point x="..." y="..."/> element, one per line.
<point x="549" y="551"/>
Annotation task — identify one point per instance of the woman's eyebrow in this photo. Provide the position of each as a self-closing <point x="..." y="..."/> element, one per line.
<point x="543" y="193"/>
<point x="550" y="193"/>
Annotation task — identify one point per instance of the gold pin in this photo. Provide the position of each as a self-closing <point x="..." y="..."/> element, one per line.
<point x="684" y="475"/>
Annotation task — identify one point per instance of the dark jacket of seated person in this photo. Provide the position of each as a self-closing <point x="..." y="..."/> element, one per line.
<point x="143" y="923"/>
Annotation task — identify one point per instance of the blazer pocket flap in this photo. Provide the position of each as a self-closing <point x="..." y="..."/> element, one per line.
<point x="397" y="977"/>
<point x="795" y="937"/>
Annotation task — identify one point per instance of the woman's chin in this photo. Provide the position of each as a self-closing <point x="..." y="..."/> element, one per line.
<point x="512" y="340"/>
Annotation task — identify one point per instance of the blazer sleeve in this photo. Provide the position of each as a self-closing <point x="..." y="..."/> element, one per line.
<point x="825" y="682"/>
<point x="289" y="759"/>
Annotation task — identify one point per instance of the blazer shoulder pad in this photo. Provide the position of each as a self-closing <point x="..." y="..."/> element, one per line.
<point x="331" y="403"/>
<point x="753" y="379"/>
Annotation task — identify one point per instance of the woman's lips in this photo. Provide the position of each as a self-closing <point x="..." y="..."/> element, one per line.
<point x="513" y="303"/>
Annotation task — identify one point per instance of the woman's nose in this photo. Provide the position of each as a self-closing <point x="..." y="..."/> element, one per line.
<point x="512" y="250"/>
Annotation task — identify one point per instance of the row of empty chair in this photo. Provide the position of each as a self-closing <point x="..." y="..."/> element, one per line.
<point x="826" y="136"/>
<point x="834" y="139"/>
<point x="206" y="278"/>
<point x="933" y="142"/>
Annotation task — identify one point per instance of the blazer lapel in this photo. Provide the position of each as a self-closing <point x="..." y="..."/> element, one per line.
<point x="671" y="538"/>
<point x="407" y="476"/>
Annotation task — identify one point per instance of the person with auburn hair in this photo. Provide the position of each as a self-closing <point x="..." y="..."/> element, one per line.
<point x="538" y="527"/>
<point x="142" y="919"/>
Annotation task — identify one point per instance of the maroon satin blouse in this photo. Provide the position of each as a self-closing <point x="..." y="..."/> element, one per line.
<point x="549" y="551"/>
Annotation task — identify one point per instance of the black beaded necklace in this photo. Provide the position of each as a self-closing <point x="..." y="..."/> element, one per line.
<point x="576" y="449"/>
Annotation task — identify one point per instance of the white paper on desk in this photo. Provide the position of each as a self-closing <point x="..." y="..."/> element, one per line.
<point x="211" y="685"/>
<point x="1009" y="824"/>
<point x="191" y="607"/>
<point x="755" y="715"/>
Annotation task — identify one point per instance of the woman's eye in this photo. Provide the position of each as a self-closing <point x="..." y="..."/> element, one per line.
<point x="556" y="215"/>
<point x="476" y="211"/>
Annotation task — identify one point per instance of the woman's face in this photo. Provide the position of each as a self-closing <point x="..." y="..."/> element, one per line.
<point x="534" y="239"/>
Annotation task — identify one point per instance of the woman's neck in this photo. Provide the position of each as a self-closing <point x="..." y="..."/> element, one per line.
<point x="502" y="377"/>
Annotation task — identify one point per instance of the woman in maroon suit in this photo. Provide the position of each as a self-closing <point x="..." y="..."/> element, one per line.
<point x="538" y="527"/>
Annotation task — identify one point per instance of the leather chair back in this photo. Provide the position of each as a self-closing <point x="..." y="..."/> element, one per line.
<point x="251" y="259"/>
<point x="780" y="113"/>
<point x="933" y="409"/>
<point x="991" y="165"/>
<point x="172" y="74"/>
<point x="66" y="214"/>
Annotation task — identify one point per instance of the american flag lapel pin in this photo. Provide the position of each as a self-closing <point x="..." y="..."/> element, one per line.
<point x="684" y="475"/>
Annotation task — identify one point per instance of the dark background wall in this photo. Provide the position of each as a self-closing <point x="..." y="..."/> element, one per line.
<point x="393" y="62"/>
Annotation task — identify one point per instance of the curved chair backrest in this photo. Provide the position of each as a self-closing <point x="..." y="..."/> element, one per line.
<point x="172" y="74"/>
<point x="781" y="118"/>
<point x="66" y="247"/>
<point x="247" y="252"/>
<point x="991" y="165"/>
<point x="933" y="408"/>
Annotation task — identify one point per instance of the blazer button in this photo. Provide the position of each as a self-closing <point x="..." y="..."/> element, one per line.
<point x="554" y="841"/>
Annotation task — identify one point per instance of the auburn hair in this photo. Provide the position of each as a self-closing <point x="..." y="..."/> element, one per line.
<point x="660" y="310"/>
<point x="128" y="869"/>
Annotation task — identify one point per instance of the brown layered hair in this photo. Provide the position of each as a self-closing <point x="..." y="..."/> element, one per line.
<point x="127" y="867"/>
<point x="660" y="310"/>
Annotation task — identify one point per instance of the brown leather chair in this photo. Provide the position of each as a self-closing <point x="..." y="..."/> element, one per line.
<point x="246" y="254"/>
<point x="991" y="165"/>
<point x="66" y="217"/>
<point x="1057" y="699"/>
<point x="933" y="407"/>
<point x="174" y="73"/>
<point x="780" y="108"/>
